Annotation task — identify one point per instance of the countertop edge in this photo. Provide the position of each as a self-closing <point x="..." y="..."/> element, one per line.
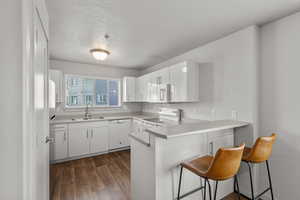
<point x="194" y="132"/>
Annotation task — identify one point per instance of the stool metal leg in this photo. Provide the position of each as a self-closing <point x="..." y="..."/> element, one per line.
<point x="236" y="184"/>
<point x="204" y="189"/>
<point x="270" y="181"/>
<point x="179" y="185"/>
<point x="215" y="197"/>
<point x="251" y="181"/>
<point x="209" y="189"/>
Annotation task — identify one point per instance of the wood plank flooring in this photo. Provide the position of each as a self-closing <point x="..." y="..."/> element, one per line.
<point x="104" y="177"/>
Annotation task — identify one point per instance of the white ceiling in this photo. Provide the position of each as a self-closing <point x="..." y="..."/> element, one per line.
<point x="146" y="32"/>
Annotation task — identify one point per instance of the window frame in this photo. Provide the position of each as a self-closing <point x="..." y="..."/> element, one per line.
<point x="66" y="107"/>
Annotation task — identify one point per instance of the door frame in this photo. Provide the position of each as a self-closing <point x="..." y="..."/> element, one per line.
<point x="28" y="8"/>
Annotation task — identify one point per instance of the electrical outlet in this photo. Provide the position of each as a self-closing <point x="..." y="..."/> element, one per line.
<point x="234" y="114"/>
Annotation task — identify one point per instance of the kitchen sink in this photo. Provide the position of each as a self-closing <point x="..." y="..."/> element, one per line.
<point x="87" y="119"/>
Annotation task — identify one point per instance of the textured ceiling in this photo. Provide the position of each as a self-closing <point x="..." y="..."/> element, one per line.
<point x="146" y="32"/>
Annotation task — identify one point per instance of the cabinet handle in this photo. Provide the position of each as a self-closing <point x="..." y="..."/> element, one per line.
<point x="211" y="144"/>
<point x="87" y="133"/>
<point x="92" y="133"/>
<point x="65" y="136"/>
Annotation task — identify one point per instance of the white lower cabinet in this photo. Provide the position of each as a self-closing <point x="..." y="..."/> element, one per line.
<point x="99" y="139"/>
<point x="59" y="148"/>
<point x="88" y="138"/>
<point x="217" y="140"/>
<point x="79" y="141"/>
<point x="119" y="131"/>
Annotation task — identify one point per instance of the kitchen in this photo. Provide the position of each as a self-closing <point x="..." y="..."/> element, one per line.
<point x="150" y="100"/>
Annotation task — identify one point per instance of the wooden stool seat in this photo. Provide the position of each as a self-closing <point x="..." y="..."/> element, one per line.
<point x="246" y="153"/>
<point x="199" y="166"/>
<point x="224" y="165"/>
<point x="259" y="153"/>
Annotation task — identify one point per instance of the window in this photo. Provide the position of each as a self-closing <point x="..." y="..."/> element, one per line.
<point x="98" y="92"/>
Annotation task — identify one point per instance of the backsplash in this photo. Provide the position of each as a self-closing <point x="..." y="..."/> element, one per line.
<point x="125" y="108"/>
<point x="200" y="111"/>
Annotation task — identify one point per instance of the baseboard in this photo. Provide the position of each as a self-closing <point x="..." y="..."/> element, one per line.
<point x="88" y="155"/>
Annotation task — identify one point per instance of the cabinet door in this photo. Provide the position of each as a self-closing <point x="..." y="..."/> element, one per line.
<point x="178" y="81"/>
<point x="99" y="139"/>
<point x="119" y="134"/>
<point x="152" y="87"/>
<point x="162" y="78"/>
<point x="129" y="89"/>
<point x="184" y="80"/>
<point x="79" y="143"/>
<point x="57" y="77"/>
<point x="218" y="142"/>
<point x="145" y="87"/>
<point x="59" y="149"/>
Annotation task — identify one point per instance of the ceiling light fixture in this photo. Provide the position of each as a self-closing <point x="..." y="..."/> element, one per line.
<point x="99" y="54"/>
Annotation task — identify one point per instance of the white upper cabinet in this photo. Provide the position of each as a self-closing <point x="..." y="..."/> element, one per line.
<point x="158" y="86"/>
<point x="143" y="88"/>
<point x="177" y="83"/>
<point x="184" y="80"/>
<point x="57" y="77"/>
<point x="129" y="89"/>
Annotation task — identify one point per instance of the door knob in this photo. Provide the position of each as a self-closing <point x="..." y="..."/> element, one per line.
<point x="49" y="140"/>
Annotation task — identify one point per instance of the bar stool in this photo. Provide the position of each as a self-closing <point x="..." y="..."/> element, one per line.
<point x="259" y="153"/>
<point x="223" y="166"/>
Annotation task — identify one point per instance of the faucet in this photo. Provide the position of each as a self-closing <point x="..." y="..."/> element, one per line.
<point x="87" y="114"/>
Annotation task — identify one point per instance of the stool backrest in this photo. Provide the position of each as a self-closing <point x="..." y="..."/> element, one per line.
<point x="262" y="149"/>
<point x="226" y="163"/>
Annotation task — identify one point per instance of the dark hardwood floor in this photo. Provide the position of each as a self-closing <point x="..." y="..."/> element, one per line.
<point x="104" y="177"/>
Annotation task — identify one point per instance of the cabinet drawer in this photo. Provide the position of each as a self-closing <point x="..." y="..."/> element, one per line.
<point x="217" y="134"/>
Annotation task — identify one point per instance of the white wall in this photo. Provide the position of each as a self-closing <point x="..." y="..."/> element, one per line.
<point x="280" y="102"/>
<point x="11" y="100"/>
<point x="232" y="62"/>
<point x="97" y="71"/>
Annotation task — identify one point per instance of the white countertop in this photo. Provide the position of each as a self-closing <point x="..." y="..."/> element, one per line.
<point x="169" y="129"/>
<point x="191" y="127"/>
<point x="107" y="117"/>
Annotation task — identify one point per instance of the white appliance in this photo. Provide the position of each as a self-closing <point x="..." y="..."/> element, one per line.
<point x="164" y="92"/>
<point x="142" y="128"/>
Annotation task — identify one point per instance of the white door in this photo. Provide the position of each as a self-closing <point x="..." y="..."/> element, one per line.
<point x="99" y="139"/>
<point x="79" y="142"/>
<point x="40" y="112"/>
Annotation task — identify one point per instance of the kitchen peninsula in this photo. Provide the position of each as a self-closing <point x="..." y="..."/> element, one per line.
<point x="158" y="149"/>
